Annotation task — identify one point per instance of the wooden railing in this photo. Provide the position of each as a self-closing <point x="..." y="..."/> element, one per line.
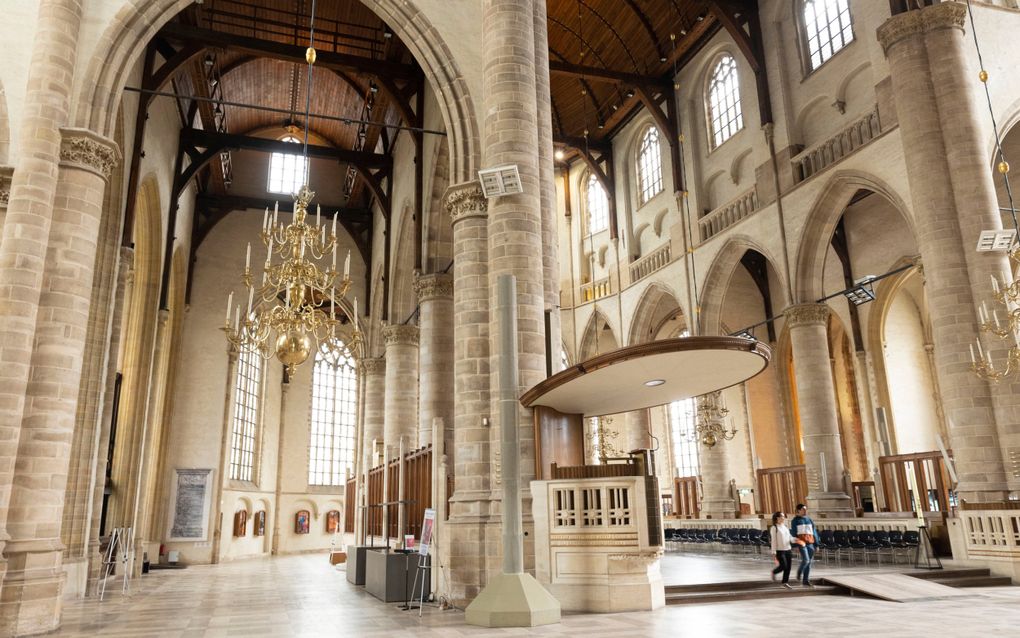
<point x="594" y="471"/>
<point x="596" y="290"/>
<point x="350" y="500"/>
<point x="393" y="495"/>
<point x="653" y="261"/>
<point x="417" y="487"/>
<point x="826" y="153"/>
<point x="374" y="515"/>
<point x="417" y="484"/>
<point x="929" y="474"/>
<point x="738" y="208"/>
<point x="686" y="503"/>
<point x="781" y="488"/>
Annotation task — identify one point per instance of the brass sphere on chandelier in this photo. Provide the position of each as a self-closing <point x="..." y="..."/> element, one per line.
<point x="293" y="348"/>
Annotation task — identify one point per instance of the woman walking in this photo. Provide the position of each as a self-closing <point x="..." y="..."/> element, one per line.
<point x="780" y="535"/>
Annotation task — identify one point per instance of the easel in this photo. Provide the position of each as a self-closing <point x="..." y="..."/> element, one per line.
<point x="924" y="539"/>
<point x="117" y="539"/>
<point x="424" y="569"/>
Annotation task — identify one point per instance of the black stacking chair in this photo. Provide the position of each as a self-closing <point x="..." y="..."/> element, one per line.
<point x="867" y="545"/>
<point x="883" y="545"/>
<point x="841" y="542"/>
<point x="826" y="545"/>
<point x="896" y="542"/>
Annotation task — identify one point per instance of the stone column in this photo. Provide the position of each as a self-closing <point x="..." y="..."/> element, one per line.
<point x="435" y="367"/>
<point x="25" y="234"/>
<point x="280" y="445"/>
<point x="31" y="597"/>
<point x="945" y="131"/>
<point x="401" y="406"/>
<point x="374" y="371"/>
<point x="471" y="504"/>
<point x="816" y="402"/>
<point x="639" y="427"/>
<point x="220" y="478"/>
<point x="717" y="497"/>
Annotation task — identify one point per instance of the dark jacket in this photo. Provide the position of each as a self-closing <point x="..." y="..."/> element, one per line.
<point x="801" y="526"/>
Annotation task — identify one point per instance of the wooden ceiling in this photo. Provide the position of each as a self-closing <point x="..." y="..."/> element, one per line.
<point x="636" y="41"/>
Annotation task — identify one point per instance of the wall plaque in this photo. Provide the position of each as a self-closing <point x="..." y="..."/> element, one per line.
<point x="189" y="509"/>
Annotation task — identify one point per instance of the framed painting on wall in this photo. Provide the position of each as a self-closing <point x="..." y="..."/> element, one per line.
<point x="260" y="523"/>
<point x="301" y="522"/>
<point x="332" y="522"/>
<point x="240" y="523"/>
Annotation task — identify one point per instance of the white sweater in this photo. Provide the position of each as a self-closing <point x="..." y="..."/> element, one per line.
<point x="780" y="535"/>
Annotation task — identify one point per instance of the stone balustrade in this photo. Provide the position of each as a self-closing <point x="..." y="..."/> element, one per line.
<point x="596" y="290"/>
<point x="989" y="538"/>
<point x="653" y="261"/>
<point x="738" y="208"/>
<point x="826" y="153"/>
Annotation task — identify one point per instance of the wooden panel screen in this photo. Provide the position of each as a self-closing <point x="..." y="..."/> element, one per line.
<point x="449" y="493"/>
<point x="392" y="495"/>
<point x="559" y="438"/>
<point x="685" y="496"/>
<point x="350" y="503"/>
<point x="373" y="517"/>
<point x="781" y="488"/>
<point x="595" y="471"/>
<point x="929" y="473"/>
<point x="417" y="487"/>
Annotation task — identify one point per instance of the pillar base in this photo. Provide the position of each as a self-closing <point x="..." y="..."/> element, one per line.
<point x="830" y="505"/>
<point x="718" y="508"/>
<point x="31" y="598"/>
<point x="513" y="600"/>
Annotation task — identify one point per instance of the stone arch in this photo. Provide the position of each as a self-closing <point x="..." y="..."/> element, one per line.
<point x="401" y="276"/>
<point x="438" y="248"/>
<point x="719" y="273"/>
<point x="592" y="341"/>
<point x="656" y="305"/>
<point x="821" y="223"/>
<point x="305" y="504"/>
<point x="137" y="21"/>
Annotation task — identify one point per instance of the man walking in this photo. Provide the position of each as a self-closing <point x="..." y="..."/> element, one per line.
<point x="803" y="530"/>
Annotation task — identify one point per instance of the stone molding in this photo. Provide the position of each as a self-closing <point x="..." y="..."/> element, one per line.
<point x="84" y="149"/>
<point x="945" y="15"/>
<point x="127" y="264"/>
<point x="437" y="285"/>
<point x="400" y="335"/>
<point x="465" y="200"/>
<point x="373" y="365"/>
<point x="6" y="176"/>
<point x="808" y="314"/>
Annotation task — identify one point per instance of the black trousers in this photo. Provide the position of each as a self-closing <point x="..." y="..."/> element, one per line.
<point x="785" y="562"/>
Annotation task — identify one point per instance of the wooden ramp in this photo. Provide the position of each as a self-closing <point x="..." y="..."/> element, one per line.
<point x="895" y="587"/>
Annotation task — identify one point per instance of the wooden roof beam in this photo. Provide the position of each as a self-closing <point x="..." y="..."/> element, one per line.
<point x="607" y="75"/>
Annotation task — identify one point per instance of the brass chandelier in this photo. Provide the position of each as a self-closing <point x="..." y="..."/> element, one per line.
<point x="710" y="425"/>
<point x="296" y="301"/>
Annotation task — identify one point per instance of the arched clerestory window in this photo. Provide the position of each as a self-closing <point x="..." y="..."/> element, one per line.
<point x="827" y="29"/>
<point x="243" y="439"/>
<point x="334" y="406"/>
<point x="596" y="205"/>
<point x="649" y="166"/>
<point x="725" y="116"/>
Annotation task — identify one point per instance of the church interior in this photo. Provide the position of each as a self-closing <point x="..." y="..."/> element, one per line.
<point x="473" y="317"/>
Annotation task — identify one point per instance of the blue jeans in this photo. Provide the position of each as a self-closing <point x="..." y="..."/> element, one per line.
<point x="807" y="554"/>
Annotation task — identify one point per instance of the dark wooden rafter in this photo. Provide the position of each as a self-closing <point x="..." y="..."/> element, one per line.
<point x="607" y="75"/>
<point x="757" y="266"/>
<point x="611" y="29"/>
<point x="646" y="25"/>
<point x="841" y="246"/>
<point x="741" y="20"/>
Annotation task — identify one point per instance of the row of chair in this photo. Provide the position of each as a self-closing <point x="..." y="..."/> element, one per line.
<point x="851" y="544"/>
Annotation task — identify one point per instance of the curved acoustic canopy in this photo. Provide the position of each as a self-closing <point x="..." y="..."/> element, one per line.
<point x="650" y="374"/>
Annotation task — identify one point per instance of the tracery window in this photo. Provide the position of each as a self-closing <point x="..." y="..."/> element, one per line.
<point x="682" y="419"/>
<point x="334" y="405"/>
<point x="246" y="413"/>
<point x="597" y="206"/>
<point x="724" y="112"/>
<point x="649" y="165"/>
<point x="827" y="29"/>
<point x="287" y="170"/>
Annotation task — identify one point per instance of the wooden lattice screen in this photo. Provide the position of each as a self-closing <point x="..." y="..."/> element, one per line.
<point x="351" y="502"/>
<point x="375" y="496"/>
<point x="781" y="488"/>
<point x="930" y="476"/>
<point x="392" y="495"/>
<point x="685" y="496"/>
<point x="417" y="487"/>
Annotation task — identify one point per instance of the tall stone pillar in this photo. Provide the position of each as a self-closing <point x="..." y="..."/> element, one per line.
<point x="945" y="132"/>
<point x="435" y="366"/>
<point x="717" y="497"/>
<point x="25" y="234"/>
<point x="374" y="372"/>
<point x="30" y="600"/>
<point x="401" y="404"/>
<point x="639" y="428"/>
<point x="816" y="403"/>
<point x="471" y="504"/>
<point x="280" y="446"/>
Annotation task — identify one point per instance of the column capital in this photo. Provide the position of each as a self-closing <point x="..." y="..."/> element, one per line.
<point x="808" y="314"/>
<point x="400" y="335"/>
<point x="945" y="15"/>
<point x="465" y="200"/>
<point x="438" y="285"/>
<point x="372" y="366"/>
<point x="89" y="151"/>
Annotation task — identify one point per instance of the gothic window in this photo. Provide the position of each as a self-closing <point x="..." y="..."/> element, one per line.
<point x="649" y="165"/>
<point x="827" y="29"/>
<point x="597" y="205"/>
<point x="724" y="113"/>
<point x="334" y="403"/>
<point x="682" y="415"/>
<point x="246" y="413"/>
<point x="287" y="170"/>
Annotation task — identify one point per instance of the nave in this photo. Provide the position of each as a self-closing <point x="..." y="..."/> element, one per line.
<point x="304" y="596"/>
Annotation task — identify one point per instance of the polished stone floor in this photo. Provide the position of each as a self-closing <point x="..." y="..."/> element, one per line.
<point x="304" y="596"/>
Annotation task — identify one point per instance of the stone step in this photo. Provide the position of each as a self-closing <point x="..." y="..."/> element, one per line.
<point x="768" y="591"/>
<point x="938" y="574"/>
<point x="975" y="581"/>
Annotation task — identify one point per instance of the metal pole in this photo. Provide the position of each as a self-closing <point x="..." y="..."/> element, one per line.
<point x="510" y="448"/>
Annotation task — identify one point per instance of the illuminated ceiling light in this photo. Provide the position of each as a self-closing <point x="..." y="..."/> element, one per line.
<point x="651" y="383"/>
<point x="559" y="154"/>
<point x="995" y="240"/>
